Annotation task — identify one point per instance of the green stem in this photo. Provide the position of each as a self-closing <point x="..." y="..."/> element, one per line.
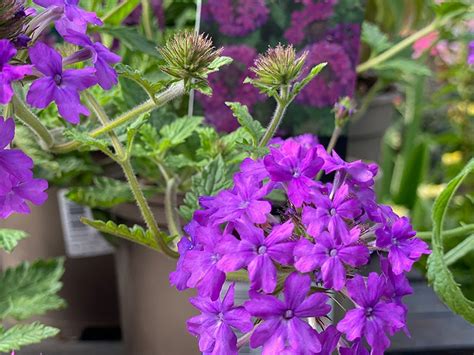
<point x="32" y="121"/>
<point x="334" y="137"/>
<point x="174" y="91"/>
<point x="367" y="100"/>
<point x="146" y="19"/>
<point x="450" y="233"/>
<point x="170" y="208"/>
<point x="282" y="104"/>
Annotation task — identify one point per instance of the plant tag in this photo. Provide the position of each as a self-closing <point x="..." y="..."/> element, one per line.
<point x="80" y="240"/>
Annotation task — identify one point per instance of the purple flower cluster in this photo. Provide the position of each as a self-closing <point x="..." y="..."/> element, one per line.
<point x="336" y="81"/>
<point x="53" y="81"/>
<point x="17" y="184"/>
<point x="308" y="248"/>
<point x="237" y="18"/>
<point x="227" y="85"/>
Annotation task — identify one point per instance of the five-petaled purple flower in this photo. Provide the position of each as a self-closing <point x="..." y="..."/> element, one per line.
<point x="293" y="164"/>
<point x="284" y="326"/>
<point x="102" y="58"/>
<point x="214" y="325"/>
<point x="61" y="86"/>
<point x="330" y="255"/>
<point x="373" y="317"/>
<point x="9" y="73"/>
<point x="403" y="248"/>
<point x="258" y="253"/>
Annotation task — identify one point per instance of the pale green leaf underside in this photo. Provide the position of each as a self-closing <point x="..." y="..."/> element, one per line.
<point x="24" y="334"/>
<point x="9" y="238"/>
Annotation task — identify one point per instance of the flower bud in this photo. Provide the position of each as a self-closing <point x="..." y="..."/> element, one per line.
<point x="279" y="66"/>
<point x="188" y="56"/>
<point x="13" y="18"/>
<point x="343" y="110"/>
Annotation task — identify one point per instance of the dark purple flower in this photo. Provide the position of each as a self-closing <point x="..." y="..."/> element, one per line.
<point x="102" y="58"/>
<point x="9" y="73"/>
<point x="301" y="20"/>
<point x="17" y="185"/>
<point x="259" y="254"/>
<point x="356" y="348"/>
<point x="284" y="326"/>
<point x="238" y="18"/>
<point x="296" y="166"/>
<point x="335" y="81"/>
<point x="243" y="201"/>
<point x="346" y="35"/>
<point x="403" y="248"/>
<point x="202" y="263"/>
<point x="61" y="86"/>
<point x="216" y="323"/>
<point x="330" y="255"/>
<point x="329" y="339"/>
<point x="372" y="317"/>
<point x="331" y="214"/>
<point x="74" y="17"/>
<point x="227" y="85"/>
<point x="470" y="55"/>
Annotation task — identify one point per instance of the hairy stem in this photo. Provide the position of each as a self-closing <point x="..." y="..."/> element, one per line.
<point x="334" y="137"/>
<point x="282" y="104"/>
<point x="450" y="233"/>
<point x="146" y="17"/>
<point x="174" y="91"/>
<point x="170" y="208"/>
<point x="32" y="121"/>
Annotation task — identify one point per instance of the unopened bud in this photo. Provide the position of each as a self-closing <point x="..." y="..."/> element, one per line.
<point x="343" y="110"/>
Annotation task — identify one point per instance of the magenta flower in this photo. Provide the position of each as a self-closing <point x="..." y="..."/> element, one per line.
<point x="296" y="166"/>
<point x="74" y="17"/>
<point x="331" y="255"/>
<point x="284" y="326"/>
<point x="259" y="254"/>
<point x="243" y="201"/>
<point x="238" y="18"/>
<point x="9" y="73"/>
<point x="470" y="55"/>
<point x="102" y="58"/>
<point x="215" y="325"/>
<point x="331" y="214"/>
<point x="403" y="248"/>
<point x="61" y="86"/>
<point x="15" y="201"/>
<point x="329" y="339"/>
<point x="254" y="168"/>
<point x="372" y="317"/>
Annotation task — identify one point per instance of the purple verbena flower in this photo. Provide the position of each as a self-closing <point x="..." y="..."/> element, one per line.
<point x="61" y="86"/>
<point x="331" y="255"/>
<point x="403" y="248"/>
<point x="330" y="214"/>
<point x="216" y="323"/>
<point x="284" y="326"/>
<point x="329" y="339"/>
<point x="259" y="254"/>
<point x="9" y="73"/>
<point x="470" y="55"/>
<point x="238" y="18"/>
<point x="373" y="317"/>
<point x="293" y="164"/>
<point x="102" y="58"/>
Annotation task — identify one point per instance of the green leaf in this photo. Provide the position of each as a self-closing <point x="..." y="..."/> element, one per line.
<point x="178" y="131"/>
<point x="450" y="8"/>
<point x="120" y="12"/>
<point x="439" y="275"/>
<point x="9" y="238"/>
<point x="404" y="66"/>
<point x="24" y="334"/>
<point x="135" y="234"/>
<point x="375" y="38"/>
<point x="214" y="178"/>
<point x="88" y="142"/>
<point x="30" y="289"/>
<point x="104" y="193"/>
<point x="219" y="62"/>
<point x="459" y="251"/>
<point x="312" y="74"/>
<point x="132" y="39"/>
<point x="130" y="73"/>
<point x="251" y="125"/>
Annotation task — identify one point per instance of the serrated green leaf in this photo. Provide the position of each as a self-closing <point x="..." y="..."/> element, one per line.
<point x="447" y="8"/>
<point x="133" y="74"/>
<point x="87" y="142"/>
<point x="135" y="234"/>
<point x="375" y="38"/>
<point x="24" y="334"/>
<point x="404" y="66"/>
<point x="104" y="193"/>
<point x="254" y="151"/>
<point x="9" y="238"/>
<point x="219" y="62"/>
<point x="312" y="74"/>
<point x="178" y="131"/>
<point x="214" y="178"/>
<point x="252" y="126"/>
<point x="459" y="251"/>
<point x="120" y="12"/>
<point x="439" y="275"/>
<point x="30" y="289"/>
